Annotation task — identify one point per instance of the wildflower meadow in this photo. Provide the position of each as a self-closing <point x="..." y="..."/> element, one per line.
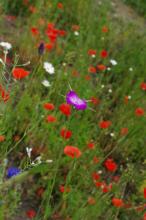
<point x="72" y="110"/>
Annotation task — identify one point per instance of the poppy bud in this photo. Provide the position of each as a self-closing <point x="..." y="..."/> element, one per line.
<point x="41" y="49"/>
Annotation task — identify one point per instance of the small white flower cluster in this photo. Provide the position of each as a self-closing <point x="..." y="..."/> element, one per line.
<point x="113" y="62"/>
<point x="112" y="134"/>
<point x="46" y="83"/>
<point x="130" y="69"/>
<point x="110" y="91"/>
<point x="129" y="97"/>
<point x="76" y="33"/>
<point x="6" y="46"/>
<point x="38" y="160"/>
<point x="49" y="68"/>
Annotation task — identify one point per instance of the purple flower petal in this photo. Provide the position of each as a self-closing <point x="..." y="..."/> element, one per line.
<point x="73" y="99"/>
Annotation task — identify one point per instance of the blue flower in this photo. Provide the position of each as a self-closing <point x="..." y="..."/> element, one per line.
<point x="12" y="171"/>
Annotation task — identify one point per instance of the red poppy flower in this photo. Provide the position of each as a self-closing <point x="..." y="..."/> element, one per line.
<point x="139" y="112"/>
<point x="95" y="100"/>
<point x="104" y="54"/>
<point x="32" y="9"/>
<point x="105" y="124"/>
<point x="72" y="152"/>
<point x="95" y="159"/>
<point x="2" y="138"/>
<point x="62" y="33"/>
<point x="34" y="31"/>
<point x="110" y="165"/>
<point x="65" y="109"/>
<point x="52" y="33"/>
<point x="101" y="67"/>
<point x="50" y="26"/>
<point x="124" y="131"/>
<point x="25" y="2"/>
<point x="106" y="188"/>
<point x="40" y="191"/>
<point x="75" y="27"/>
<point x="92" y="69"/>
<point x="117" y="202"/>
<point x="144" y="217"/>
<point x="92" y="52"/>
<point x="4" y="95"/>
<point x="52" y="36"/>
<point x="91" y="145"/>
<point x="19" y="73"/>
<point x="95" y="176"/>
<point x="64" y="189"/>
<point x="143" y="86"/>
<point x="49" y="46"/>
<point x="31" y="213"/>
<point x="104" y="29"/>
<point x="116" y="178"/>
<point x="60" y="5"/>
<point x="91" y="201"/>
<point x="66" y="134"/>
<point x="51" y="118"/>
<point x="75" y="73"/>
<point x="87" y="77"/>
<point x="49" y="106"/>
<point x="98" y="184"/>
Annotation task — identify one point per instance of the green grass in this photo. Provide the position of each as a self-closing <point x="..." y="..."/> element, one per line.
<point x="139" y="6"/>
<point x="23" y="115"/>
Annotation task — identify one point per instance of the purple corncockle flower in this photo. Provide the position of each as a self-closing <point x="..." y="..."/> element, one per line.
<point x="12" y="171"/>
<point x="73" y="99"/>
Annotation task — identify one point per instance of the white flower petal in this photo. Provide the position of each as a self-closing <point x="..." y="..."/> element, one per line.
<point x="49" y="68"/>
<point x="6" y="45"/>
<point x="113" y="62"/>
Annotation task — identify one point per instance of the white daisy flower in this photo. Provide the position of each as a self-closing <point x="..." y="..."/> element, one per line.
<point x="112" y="134"/>
<point x="49" y="68"/>
<point x="6" y="45"/>
<point x="93" y="56"/>
<point x="110" y="90"/>
<point x="131" y="69"/>
<point x="46" y="83"/>
<point x="113" y="62"/>
<point x="100" y="171"/>
<point x="76" y="33"/>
